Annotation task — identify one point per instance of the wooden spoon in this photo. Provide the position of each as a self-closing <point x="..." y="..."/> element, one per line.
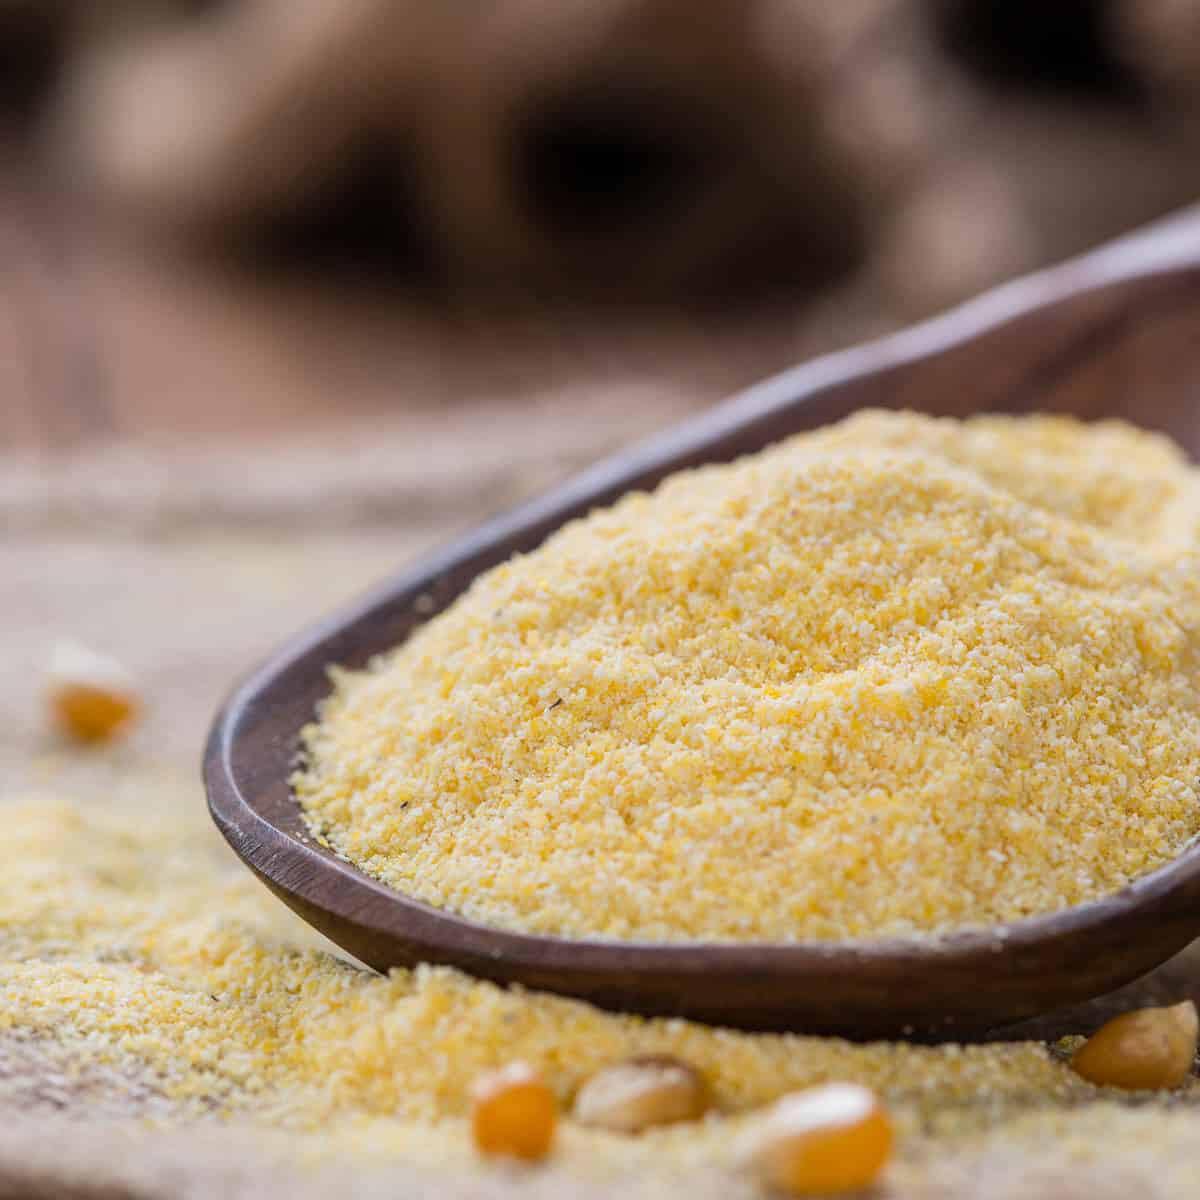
<point x="1112" y="334"/>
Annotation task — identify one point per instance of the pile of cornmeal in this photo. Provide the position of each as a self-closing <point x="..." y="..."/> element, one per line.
<point x="896" y="676"/>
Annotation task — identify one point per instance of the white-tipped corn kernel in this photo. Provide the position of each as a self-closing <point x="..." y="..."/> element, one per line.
<point x="1148" y="1048"/>
<point x="92" y="697"/>
<point x="640" y="1093"/>
<point x="821" y="1141"/>
<point x="514" y="1113"/>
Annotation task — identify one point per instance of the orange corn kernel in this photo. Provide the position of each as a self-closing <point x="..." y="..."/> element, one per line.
<point x="1148" y="1048"/>
<point x="835" y="1138"/>
<point x="514" y="1113"/>
<point x="91" y="697"/>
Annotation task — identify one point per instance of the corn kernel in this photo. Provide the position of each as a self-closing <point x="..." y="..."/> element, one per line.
<point x="514" y="1113"/>
<point x="1149" y="1048"/>
<point x="92" y="697"/>
<point x="824" y="1140"/>
<point x="640" y="1093"/>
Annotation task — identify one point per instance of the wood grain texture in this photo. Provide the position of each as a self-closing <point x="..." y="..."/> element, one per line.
<point x="1090" y="338"/>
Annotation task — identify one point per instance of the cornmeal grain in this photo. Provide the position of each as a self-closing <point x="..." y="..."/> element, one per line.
<point x="899" y="675"/>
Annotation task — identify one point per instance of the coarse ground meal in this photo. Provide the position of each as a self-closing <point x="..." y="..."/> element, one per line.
<point x="897" y="676"/>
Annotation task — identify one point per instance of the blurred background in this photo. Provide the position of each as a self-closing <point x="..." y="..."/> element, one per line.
<point x="258" y="218"/>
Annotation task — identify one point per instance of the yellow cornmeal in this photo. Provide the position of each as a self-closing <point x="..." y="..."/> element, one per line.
<point x="130" y="934"/>
<point x="896" y="676"/>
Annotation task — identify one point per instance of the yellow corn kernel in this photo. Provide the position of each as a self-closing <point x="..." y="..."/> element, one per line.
<point x="640" y="1093"/>
<point x="91" y="697"/>
<point x="514" y="1113"/>
<point x="824" y="1140"/>
<point x="1148" y="1048"/>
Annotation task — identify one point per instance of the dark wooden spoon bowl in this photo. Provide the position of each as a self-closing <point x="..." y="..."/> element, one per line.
<point x="1113" y="334"/>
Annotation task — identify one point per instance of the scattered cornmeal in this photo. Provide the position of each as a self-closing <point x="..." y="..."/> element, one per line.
<point x="513" y="1113"/>
<point x="92" y="697"/>
<point x="641" y="1093"/>
<point x="133" y="945"/>
<point x="830" y="1139"/>
<point x="1151" y="1048"/>
<point x="179" y="955"/>
<point x="896" y="676"/>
